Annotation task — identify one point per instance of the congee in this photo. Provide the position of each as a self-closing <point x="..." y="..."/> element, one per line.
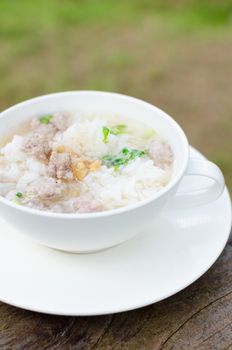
<point x="74" y="162"/>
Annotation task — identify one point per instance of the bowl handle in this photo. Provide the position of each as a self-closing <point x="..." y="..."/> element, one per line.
<point x="192" y="197"/>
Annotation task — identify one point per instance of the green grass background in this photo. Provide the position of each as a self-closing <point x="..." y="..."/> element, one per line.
<point x="175" y="54"/>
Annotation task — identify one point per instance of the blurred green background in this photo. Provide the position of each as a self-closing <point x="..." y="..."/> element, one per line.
<point x="175" y="54"/>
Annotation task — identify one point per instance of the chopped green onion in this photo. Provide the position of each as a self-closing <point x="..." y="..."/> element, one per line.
<point x="105" y="132"/>
<point x="45" y="119"/>
<point x="123" y="158"/>
<point x="107" y="158"/>
<point x="17" y="198"/>
<point x="149" y="133"/>
<point x="136" y="153"/>
<point x="115" y="130"/>
<point x="118" y="129"/>
<point x="125" y="151"/>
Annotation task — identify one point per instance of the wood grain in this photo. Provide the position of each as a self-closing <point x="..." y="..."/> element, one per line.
<point x="200" y="317"/>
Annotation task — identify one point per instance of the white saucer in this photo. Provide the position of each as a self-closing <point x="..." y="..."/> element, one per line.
<point x="177" y="250"/>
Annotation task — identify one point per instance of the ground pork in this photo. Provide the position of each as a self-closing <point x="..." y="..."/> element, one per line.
<point x="161" y="154"/>
<point x="37" y="145"/>
<point x="60" y="121"/>
<point x="59" y="166"/>
<point x="82" y="205"/>
<point x="37" y="142"/>
<point x="45" y="189"/>
<point x="77" y="206"/>
<point x="45" y="130"/>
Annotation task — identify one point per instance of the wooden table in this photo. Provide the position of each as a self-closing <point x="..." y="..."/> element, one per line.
<point x="200" y="317"/>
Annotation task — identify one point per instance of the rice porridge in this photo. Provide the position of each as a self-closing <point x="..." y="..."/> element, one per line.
<point x="74" y="162"/>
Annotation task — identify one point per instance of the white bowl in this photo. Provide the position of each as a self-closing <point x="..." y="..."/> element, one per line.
<point x="95" y="231"/>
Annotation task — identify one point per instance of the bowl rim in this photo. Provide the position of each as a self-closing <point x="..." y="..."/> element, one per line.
<point x="116" y="211"/>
